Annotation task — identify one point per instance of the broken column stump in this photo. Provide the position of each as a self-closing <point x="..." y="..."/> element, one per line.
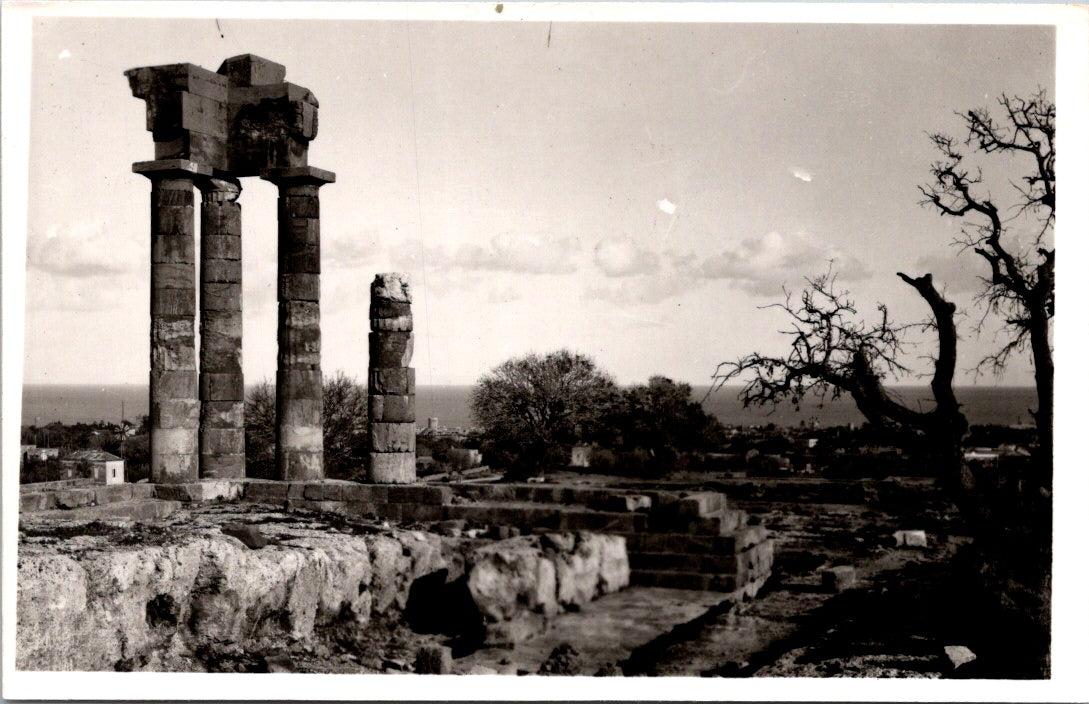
<point x="391" y="384"/>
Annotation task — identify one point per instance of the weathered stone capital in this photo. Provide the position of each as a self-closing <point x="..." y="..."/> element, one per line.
<point x="299" y="176"/>
<point x="171" y="168"/>
<point x="218" y="189"/>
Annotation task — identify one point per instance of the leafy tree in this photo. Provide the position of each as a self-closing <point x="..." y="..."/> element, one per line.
<point x="344" y="428"/>
<point x="661" y="417"/>
<point x="532" y="409"/>
<point x="1020" y="285"/>
<point x="833" y="352"/>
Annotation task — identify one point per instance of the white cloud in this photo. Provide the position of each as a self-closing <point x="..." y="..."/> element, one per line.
<point x="521" y="253"/>
<point x="81" y="249"/>
<point x="666" y="206"/>
<point x="647" y="289"/>
<point x="801" y="174"/>
<point x="622" y="257"/>
<point x="952" y="273"/>
<point x="65" y="54"/>
<point x="763" y="265"/>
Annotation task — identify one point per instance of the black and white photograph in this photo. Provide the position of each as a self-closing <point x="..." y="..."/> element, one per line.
<point x="577" y="350"/>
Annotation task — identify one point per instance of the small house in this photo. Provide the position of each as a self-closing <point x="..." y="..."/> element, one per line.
<point x="105" y="468"/>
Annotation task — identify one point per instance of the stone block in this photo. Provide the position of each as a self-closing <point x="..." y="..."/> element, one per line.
<point x="221" y="271"/>
<point x="222" y="441"/>
<point x="283" y="93"/>
<point x="204" y="115"/>
<point x="301" y="464"/>
<point x="421" y="513"/>
<point x="299" y="384"/>
<point x="175" y="413"/>
<point x="434" y="659"/>
<point x="173" y="468"/>
<point x="300" y="231"/>
<point x="228" y="247"/>
<point x="398" y="380"/>
<point x="390" y="349"/>
<point x="419" y="494"/>
<point x="223" y="414"/>
<point x="185" y="492"/>
<point x="299" y="287"/>
<point x="393" y="437"/>
<point x="362" y="509"/>
<point x="221" y="218"/>
<point x="173" y="276"/>
<point x="174" y="301"/>
<point x="249" y="70"/>
<point x="301" y="314"/>
<point x="173" y="384"/>
<point x="300" y="437"/>
<point x="37" y="501"/>
<point x="173" y="441"/>
<point x="175" y="355"/>
<point x="149" y="81"/>
<point x="74" y="498"/>
<point x="249" y="535"/>
<point x="172" y="220"/>
<point x="303" y="412"/>
<point x="223" y="466"/>
<point x="298" y="206"/>
<point x="221" y="297"/>
<point x="389" y="512"/>
<point x="391" y="286"/>
<point x="142" y="491"/>
<point x="392" y="408"/>
<point x="366" y="493"/>
<point x="401" y="324"/>
<point x="266" y="491"/>
<point x="627" y="502"/>
<point x="173" y="249"/>
<point x="314" y="491"/>
<point x="221" y="387"/>
<point x="838" y="579"/>
<point x="220" y="353"/>
<point x="301" y="258"/>
<point x="392" y="467"/>
<point x="910" y="538"/>
<point x="381" y="308"/>
<point x="194" y="146"/>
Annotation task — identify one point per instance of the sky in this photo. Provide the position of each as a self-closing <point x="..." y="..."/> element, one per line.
<point x="637" y="192"/>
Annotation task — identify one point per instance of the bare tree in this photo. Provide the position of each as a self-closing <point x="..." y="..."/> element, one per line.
<point x="832" y="352"/>
<point x="1020" y="286"/>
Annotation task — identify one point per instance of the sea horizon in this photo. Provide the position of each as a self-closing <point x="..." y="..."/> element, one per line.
<point x="88" y="403"/>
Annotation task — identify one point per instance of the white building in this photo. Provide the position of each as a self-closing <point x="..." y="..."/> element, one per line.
<point x="106" y="468"/>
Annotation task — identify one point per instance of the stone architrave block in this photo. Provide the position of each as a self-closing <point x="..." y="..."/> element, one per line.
<point x="221" y="387"/>
<point x="393" y="437"/>
<point x="249" y="70"/>
<point x="392" y="408"/>
<point x="392" y="287"/>
<point x="398" y="380"/>
<point x="390" y="349"/>
<point x="392" y="467"/>
<point x="151" y="80"/>
<point x="193" y="146"/>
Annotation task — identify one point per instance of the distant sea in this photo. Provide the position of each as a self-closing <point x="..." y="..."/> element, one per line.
<point x="45" y="403"/>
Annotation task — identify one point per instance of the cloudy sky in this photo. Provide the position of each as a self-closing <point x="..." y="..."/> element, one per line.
<point x="633" y="191"/>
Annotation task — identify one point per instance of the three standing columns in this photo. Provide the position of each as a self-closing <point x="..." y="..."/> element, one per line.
<point x="298" y="362"/>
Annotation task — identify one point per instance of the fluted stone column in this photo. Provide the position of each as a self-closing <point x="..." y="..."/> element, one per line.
<point x="222" y="392"/>
<point x="298" y="366"/>
<point x="391" y="384"/>
<point x="173" y="404"/>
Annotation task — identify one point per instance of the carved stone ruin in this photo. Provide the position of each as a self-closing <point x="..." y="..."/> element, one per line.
<point x="211" y="129"/>
<point x="391" y="383"/>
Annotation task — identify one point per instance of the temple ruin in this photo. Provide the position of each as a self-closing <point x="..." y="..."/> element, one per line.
<point x="212" y="129"/>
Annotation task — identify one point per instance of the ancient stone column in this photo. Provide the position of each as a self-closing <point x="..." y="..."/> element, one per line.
<point x="298" y="365"/>
<point x="391" y="384"/>
<point x="173" y="404"/>
<point x="222" y="393"/>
